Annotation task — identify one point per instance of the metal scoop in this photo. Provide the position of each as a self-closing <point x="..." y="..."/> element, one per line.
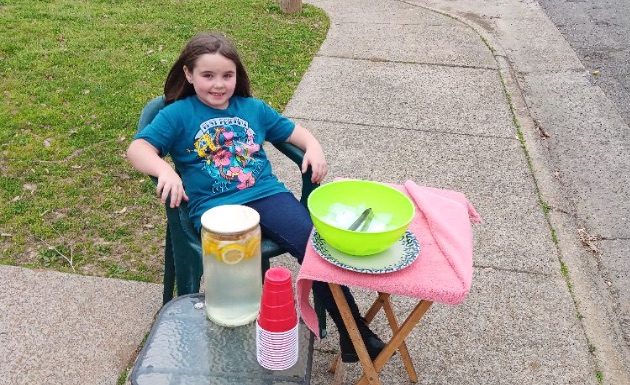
<point x="365" y="218"/>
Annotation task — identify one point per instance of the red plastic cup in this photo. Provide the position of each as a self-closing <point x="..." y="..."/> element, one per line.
<point x="280" y="297"/>
<point x="277" y="304"/>
<point x="278" y="278"/>
<point x="271" y="322"/>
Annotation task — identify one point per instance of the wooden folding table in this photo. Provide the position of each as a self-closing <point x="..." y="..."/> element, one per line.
<point x="442" y="272"/>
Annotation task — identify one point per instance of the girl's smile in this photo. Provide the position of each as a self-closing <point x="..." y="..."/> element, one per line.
<point x="214" y="79"/>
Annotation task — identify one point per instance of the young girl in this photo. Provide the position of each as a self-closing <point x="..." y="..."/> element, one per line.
<point x="214" y="130"/>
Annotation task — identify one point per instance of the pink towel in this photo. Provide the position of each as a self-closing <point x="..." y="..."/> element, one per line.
<point x="441" y="273"/>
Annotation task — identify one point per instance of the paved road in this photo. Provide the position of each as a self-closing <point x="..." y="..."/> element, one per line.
<point x="599" y="32"/>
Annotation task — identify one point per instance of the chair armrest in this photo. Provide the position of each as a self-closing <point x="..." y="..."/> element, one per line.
<point x="297" y="156"/>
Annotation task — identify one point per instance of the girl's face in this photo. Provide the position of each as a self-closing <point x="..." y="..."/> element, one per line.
<point x="214" y="79"/>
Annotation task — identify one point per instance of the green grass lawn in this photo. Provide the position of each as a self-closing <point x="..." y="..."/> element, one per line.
<point x="74" y="76"/>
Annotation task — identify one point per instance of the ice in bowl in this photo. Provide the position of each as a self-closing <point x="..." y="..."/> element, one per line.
<point x="343" y="216"/>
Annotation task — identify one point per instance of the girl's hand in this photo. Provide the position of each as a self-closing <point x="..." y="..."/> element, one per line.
<point x="169" y="183"/>
<point x="313" y="153"/>
<point x="145" y="158"/>
<point x="314" y="157"/>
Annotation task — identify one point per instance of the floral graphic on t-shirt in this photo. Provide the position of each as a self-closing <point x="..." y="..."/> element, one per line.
<point x="228" y="151"/>
<point x="246" y="179"/>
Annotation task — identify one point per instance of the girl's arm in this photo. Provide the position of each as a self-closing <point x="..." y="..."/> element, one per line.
<point x="146" y="158"/>
<point x="313" y="153"/>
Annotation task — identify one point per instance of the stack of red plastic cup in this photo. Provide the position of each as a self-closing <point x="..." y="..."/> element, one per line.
<point x="277" y="325"/>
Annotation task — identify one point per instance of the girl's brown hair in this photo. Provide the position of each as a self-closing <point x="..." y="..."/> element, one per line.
<point x="177" y="87"/>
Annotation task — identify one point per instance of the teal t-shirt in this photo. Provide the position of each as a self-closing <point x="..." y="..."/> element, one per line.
<point x="219" y="153"/>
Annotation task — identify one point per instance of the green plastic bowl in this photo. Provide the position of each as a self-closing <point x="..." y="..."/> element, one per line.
<point x="382" y="199"/>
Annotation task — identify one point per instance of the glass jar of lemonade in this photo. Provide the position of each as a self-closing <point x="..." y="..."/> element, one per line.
<point x="230" y="240"/>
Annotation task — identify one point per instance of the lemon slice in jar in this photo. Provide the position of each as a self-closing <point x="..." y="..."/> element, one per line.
<point x="232" y="253"/>
<point x="252" y="247"/>
<point x="210" y="246"/>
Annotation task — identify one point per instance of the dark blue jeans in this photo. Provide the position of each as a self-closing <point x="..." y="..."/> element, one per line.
<point x="284" y="220"/>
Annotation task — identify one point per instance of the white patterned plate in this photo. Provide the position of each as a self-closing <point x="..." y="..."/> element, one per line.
<point x="397" y="257"/>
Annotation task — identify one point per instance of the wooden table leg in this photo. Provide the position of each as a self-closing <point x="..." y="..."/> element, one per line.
<point x="383" y="302"/>
<point x="376" y="306"/>
<point x="370" y="375"/>
<point x="404" y="352"/>
<point x="336" y="366"/>
<point x="402" y="333"/>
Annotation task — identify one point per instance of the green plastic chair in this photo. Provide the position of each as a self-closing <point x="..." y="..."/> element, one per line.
<point x="182" y="254"/>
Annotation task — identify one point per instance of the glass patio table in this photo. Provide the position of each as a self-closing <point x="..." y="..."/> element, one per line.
<point x="184" y="347"/>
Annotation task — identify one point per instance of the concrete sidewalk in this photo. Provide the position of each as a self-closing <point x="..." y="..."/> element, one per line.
<point x="396" y="92"/>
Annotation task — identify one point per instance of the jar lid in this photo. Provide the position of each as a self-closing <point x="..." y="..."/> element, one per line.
<point x="230" y="219"/>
